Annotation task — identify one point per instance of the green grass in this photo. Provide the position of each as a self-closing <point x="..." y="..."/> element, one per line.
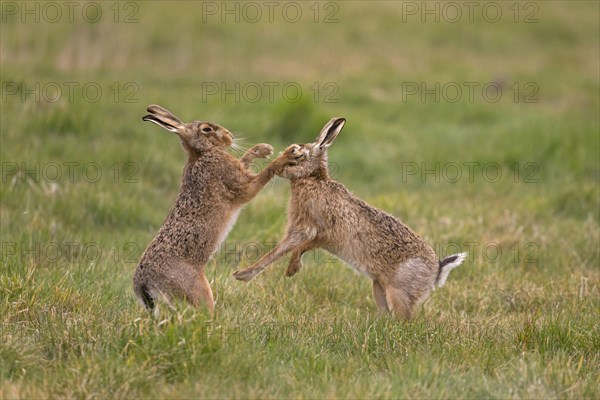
<point x="520" y="319"/>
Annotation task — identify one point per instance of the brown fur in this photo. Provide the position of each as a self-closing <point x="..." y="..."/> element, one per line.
<point x="214" y="187"/>
<point x="323" y="213"/>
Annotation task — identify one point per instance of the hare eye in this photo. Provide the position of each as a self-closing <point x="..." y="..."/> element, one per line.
<point x="206" y="129"/>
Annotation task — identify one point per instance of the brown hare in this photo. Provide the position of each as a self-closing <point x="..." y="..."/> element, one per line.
<point x="322" y="213"/>
<point x="214" y="188"/>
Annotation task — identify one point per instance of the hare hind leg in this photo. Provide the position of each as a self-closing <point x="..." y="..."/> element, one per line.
<point x="202" y="293"/>
<point x="291" y="241"/>
<point x="193" y="286"/>
<point x="399" y="302"/>
<point x="411" y="284"/>
<point x="296" y="260"/>
<point x="379" y="295"/>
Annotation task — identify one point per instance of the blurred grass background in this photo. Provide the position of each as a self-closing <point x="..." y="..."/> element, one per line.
<point x="520" y="319"/>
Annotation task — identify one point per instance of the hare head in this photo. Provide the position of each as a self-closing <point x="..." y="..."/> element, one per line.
<point x="311" y="158"/>
<point x="197" y="136"/>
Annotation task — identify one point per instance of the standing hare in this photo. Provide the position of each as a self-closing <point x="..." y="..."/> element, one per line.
<point x="214" y="188"/>
<point x="323" y="213"/>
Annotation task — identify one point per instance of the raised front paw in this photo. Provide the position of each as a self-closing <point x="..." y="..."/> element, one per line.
<point x="262" y="150"/>
<point x="244" y="275"/>
<point x="286" y="159"/>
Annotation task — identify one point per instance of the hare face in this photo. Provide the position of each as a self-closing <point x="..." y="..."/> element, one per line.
<point x="309" y="161"/>
<point x="197" y="136"/>
<point x="202" y="135"/>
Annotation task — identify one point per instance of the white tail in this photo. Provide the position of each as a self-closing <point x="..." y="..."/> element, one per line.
<point x="447" y="265"/>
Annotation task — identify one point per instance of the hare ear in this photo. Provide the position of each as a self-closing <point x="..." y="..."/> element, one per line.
<point x="330" y="132"/>
<point x="158" y="110"/>
<point x="164" y="118"/>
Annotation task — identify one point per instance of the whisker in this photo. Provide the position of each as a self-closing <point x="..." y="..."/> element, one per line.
<point x="237" y="148"/>
<point x="238" y="145"/>
<point x="239" y="135"/>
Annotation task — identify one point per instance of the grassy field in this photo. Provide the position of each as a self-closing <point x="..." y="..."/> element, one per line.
<point x="480" y="130"/>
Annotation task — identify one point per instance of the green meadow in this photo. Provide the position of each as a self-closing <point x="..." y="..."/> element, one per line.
<point x="476" y="124"/>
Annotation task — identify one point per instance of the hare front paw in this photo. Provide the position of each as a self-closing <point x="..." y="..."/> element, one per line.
<point x="286" y="160"/>
<point x="262" y="150"/>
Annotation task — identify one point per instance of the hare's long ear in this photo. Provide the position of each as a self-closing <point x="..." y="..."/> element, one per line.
<point x="330" y="132"/>
<point x="164" y="118"/>
<point x="159" y="110"/>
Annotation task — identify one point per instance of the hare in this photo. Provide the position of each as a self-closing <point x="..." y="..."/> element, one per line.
<point x="214" y="187"/>
<point x="322" y="213"/>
